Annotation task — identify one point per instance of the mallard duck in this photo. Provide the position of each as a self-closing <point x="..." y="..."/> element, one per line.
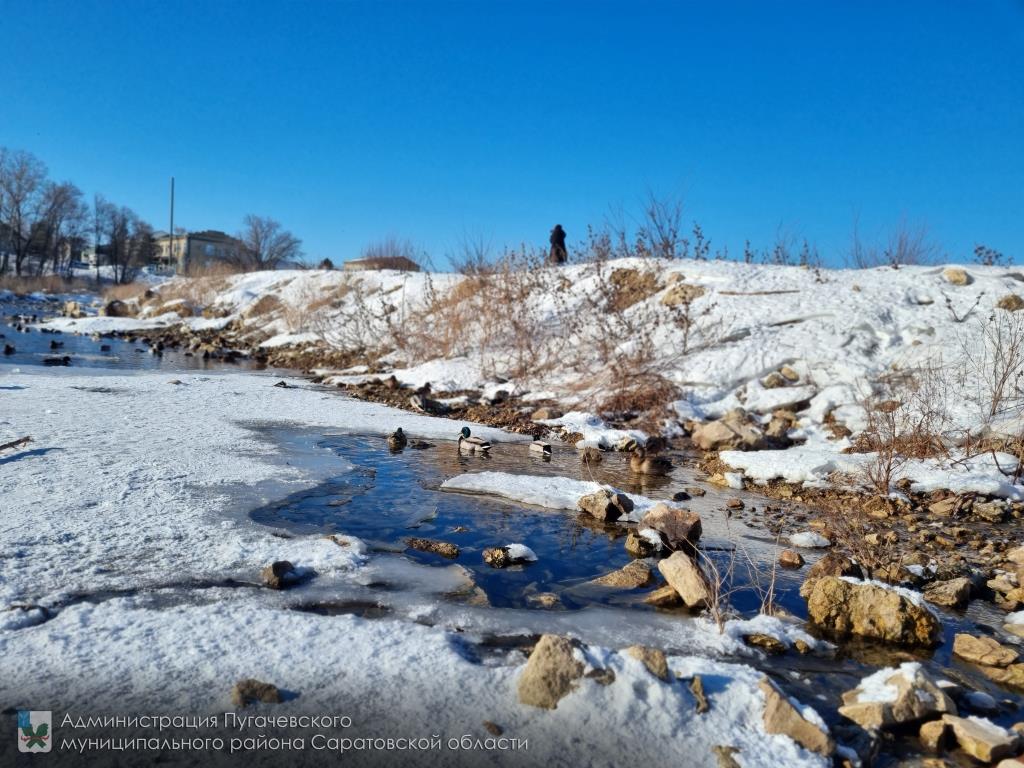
<point x="540" y="447"/>
<point x="472" y="444"/>
<point x="397" y="440"/>
<point x="643" y="464"/>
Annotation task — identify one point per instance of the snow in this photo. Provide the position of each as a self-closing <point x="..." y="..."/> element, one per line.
<point x="521" y="552"/>
<point x="877" y="688"/>
<point x="541" y="491"/>
<point x="1014" y="618"/>
<point x="915" y="597"/>
<point x="594" y="430"/>
<point x="809" y="540"/>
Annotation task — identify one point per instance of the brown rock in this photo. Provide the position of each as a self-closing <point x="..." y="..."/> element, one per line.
<point x="497" y="557"/>
<point x="790" y="559"/>
<point x="770" y="645"/>
<point x="551" y="672"/>
<point x="832" y="564"/>
<point x="1011" y="302"/>
<point x="981" y="739"/>
<point x="695" y="490"/>
<point x="780" y="716"/>
<point x="663" y="597"/>
<point x="983" y="650"/>
<point x="686" y="578"/>
<point x="631" y="576"/>
<point x="952" y="593"/>
<point x="681" y="294"/>
<point x="278" y="574"/>
<point x="733" y="431"/>
<point x="724" y="755"/>
<point x="652" y="658"/>
<point x="789" y="374"/>
<point x="918" y="697"/>
<point x="605" y="505"/>
<point x="638" y="546"/>
<point x="866" y="610"/>
<point x="1011" y="676"/>
<point x="774" y="380"/>
<point x="443" y="548"/>
<point x="545" y="414"/>
<point x="679" y="528"/>
<point x="250" y="690"/>
<point x="934" y="736"/>
<point x="956" y="276"/>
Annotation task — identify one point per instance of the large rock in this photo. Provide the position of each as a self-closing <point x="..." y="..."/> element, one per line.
<point x="551" y="672"/>
<point x="866" y="610"/>
<point x="731" y="432"/>
<point x="681" y="294"/>
<point x="679" y="528"/>
<point x="631" y="576"/>
<point x="442" y="548"/>
<point x="279" y="574"/>
<point x="115" y="308"/>
<point x="653" y="659"/>
<point x="686" y="578"/>
<point x="953" y="593"/>
<point x="982" y="739"/>
<point x="605" y="505"/>
<point x="250" y="690"/>
<point x="986" y="651"/>
<point x="832" y="564"/>
<point x="956" y="276"/>
<point x="643" y="544"/>
<point x="894" y="697"/>
<point x="781" y="717"/>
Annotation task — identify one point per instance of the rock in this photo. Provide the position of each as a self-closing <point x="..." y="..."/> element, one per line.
<point x="781" y="717"/>
<point x="1015" y="555"/>
<point x="934" y="736"/>
<point x="1011" y="676"/>
<point x="551" y="672"/>
<point x="631" y="576"/>
<point x="442" y="548"/>
<point x="774" y="380"/>
<point x="770" y="645"/>
<point x="652" y="658"/>
<point x="952" y="593"/>
<point x="681" y="294"/>
<point x="641" y="546"/>
<point x="546" y="414"/>
<point x="73" y="310"/>
<point x="734" y="431"/>
<point x="115" y="308"/>
<point x="686" y="578"/>
<point x="493" y="728"/>
<point x="944" y="507"/>
<point x="789" y="374"/>
<point x="986" y="651"/>
<point x="981" y="739"/>
<point x="679" y="528"/>
<point x="956" y="276"/>
<point x="699" y="697"/>
<point x="605" y="505"/>
<point x="847" y="608"/>
<point x="511" y="554"/>
<point x="724" y="754"/>
<point x="250" y="690"/>
<point x="1011" y="302"/>
<point x="590" y="455"/>
<point x="832" y="564"/>
<point x="663" y="597"/>
<point x="790" y="559"/>
<point x="734" y="503"/>
<point x="279" y="574"/>
<point x="895" y="697"/>
<point x="544" y="599"/>
<point x="695" y="490"/>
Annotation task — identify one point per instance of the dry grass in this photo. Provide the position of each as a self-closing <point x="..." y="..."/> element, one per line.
<point x="124" y="292"/>
<point x="42" y="284"/>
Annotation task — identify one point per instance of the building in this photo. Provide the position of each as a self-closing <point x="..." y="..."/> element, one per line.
<point x="189" y="250"/>
<point x="398" y="263"/>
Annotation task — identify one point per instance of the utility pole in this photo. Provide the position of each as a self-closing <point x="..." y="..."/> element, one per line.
<point x="171" y="233"/>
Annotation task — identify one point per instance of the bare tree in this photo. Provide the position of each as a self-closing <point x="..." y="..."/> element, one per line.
<point x="265" y="244"/>
<point x="60" y="227"/>
<point x="22" y="180"/>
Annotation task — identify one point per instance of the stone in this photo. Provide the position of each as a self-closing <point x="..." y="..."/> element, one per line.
<point x="933" y="736"/>
<point x="250" y="690"/>
<point x="681" y="294"/>
<point x="724" y="755"/>
<point x="605" y="505"/>
<point x="115" y="308"/>
<point x="664" y="597"/>
<point x="631" y="576"/>
<point x="952" y="593"/>
<point x="981" y="739"/>
<point x="734" y="503"/>
<point x="687" y="579"/>
<point x="279" y="574"/>
<point x="551" y="672"/>
<point x="493" y="728"/>
<point x="781" y="717"/>
<point x="638" y="546"/>
<point x="986" y="651"/>
<point x="770" y="645"/>
<point x="832" y="564"/>
<point x="679" y="528"/>
<point x="789" y="374"/>
<point x="497" y="557"/>
<point x="1011" y="302"/>
<point x="544" y="599"/>
<point x="734" y="431"/>
<point x="545" y="414"/>
<point x="866" y="610"/>
<point x="442" y="548"/>
<point x="603" y="676"/>
<point x="790" y="559"/>
<point x="913" y="696"/>
<point x="1015" y="555"/>
<point x="652" y="658"/>
<point x="956" y="276"/>
<point x="1011" y="676"/>
<point x="73" y="310"/>
<point x="699" y="697"/>
<point x="590" y="455"/>
<point x="695" y="490"/>
<point x="774" y="380"/>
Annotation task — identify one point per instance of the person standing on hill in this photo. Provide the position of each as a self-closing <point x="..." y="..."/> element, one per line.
<point x="558" y="252"/>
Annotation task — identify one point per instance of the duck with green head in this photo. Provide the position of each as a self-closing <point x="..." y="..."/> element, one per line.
<point x="471" y="444"/>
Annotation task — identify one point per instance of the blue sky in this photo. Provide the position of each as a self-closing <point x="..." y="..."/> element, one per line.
<point x="441" y="121"/>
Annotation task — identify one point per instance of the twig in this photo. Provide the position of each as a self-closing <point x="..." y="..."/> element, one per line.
<point x="16" y="443"/>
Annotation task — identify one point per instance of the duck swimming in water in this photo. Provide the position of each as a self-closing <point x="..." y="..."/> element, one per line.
<point x="397" y="440"/>
<point x="472" y="444"/>
<point x="643" y="464"/>
<point x="540" y="448"/>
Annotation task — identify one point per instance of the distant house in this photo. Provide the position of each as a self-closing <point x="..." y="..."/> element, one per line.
<point x="187" y="250"/>
<point x="398" y="263"/>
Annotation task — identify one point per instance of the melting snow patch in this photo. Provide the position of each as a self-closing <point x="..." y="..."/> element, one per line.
<point x="809" y="540"/>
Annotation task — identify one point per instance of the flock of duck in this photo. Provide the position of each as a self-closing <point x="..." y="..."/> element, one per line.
<point x="640" y="461"/>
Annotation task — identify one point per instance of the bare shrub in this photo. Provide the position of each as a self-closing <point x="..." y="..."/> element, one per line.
<point x="993" y="369"/>
<point x="905" y="245"/>
<point x="124" y="292"/>
<point x="393" y="253"/>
